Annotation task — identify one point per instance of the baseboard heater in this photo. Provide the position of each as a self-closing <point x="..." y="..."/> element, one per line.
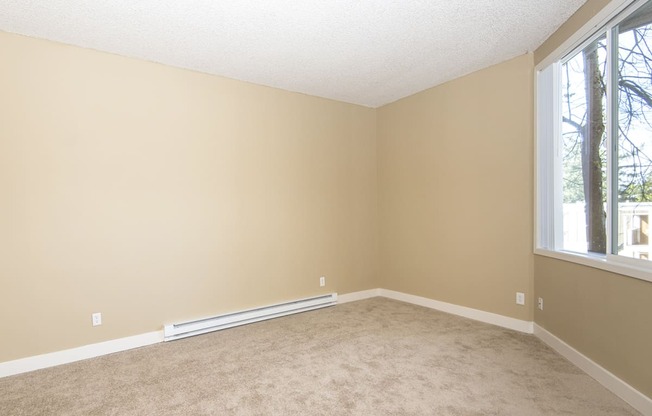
<point x="229" y="320"/>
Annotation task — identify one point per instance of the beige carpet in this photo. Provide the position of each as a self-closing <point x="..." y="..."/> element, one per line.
<point x="373" y="357"/>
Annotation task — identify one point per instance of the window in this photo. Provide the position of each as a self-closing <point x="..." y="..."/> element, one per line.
<point x="594" y="147"/>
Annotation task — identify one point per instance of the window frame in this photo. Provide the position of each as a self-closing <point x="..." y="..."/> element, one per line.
<point x="547" y="160"/>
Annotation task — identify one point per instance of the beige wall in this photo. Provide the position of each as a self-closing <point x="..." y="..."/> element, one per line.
<point x="606" y="316"/>
<point x="153" y="194"/>
<point x="455" y="168"/>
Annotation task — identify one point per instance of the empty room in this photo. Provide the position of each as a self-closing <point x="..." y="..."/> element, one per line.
<point x="370" y="207"/>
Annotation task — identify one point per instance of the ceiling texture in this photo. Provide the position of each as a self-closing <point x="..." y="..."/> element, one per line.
<point x="367" y="52"/>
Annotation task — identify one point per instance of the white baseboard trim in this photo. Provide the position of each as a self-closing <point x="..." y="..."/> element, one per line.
<point x="37" y="362"/>
<point x="626" y="392"/>
<point x="361" y="295"/>
<point x="617" y="386"/>
<point x="635" y="398"/>
<point x="475" y="314"/>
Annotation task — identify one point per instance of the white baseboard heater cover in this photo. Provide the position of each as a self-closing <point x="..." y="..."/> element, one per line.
<point x="229" y="320"/>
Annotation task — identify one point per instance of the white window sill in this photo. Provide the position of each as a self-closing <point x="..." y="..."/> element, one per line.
<point x="600" y="262"/>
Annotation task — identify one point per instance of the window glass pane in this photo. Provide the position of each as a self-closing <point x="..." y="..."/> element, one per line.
<point x="583" y="148"/>
<point x="634" y="152"/>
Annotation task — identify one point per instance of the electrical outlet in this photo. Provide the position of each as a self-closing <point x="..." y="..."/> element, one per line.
<point x="520" y="298"/>
<point x="96" y="318"/>
<point x="540" y="304"/>
<point x="322" y="281"/>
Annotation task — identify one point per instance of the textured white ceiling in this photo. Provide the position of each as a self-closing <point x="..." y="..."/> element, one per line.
<point x="368" y="52"/>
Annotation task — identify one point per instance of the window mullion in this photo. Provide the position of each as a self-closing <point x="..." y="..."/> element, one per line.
<point x="612" y="141"/>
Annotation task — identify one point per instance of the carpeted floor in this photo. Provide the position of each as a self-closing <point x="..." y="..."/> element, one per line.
<point x="373" y="357"/>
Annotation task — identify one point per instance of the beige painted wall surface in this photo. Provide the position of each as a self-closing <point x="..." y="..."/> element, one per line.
<point x="606" y="316"/>
<point x="154" y="194"/>
<point x="455" y="168"/>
